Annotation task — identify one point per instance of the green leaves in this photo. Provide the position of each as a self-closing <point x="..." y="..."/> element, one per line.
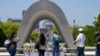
<point x="9" y="27"/>
<point x="34" y="35"/>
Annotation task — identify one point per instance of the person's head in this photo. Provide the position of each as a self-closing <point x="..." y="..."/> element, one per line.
<point x="96" y="33"/>
<point x="13" y="35"/>
<point x="80" y="30"/>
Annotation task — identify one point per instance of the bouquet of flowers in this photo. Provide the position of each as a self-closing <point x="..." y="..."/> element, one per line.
<point x="28" y="47"/>
<point x="62" y="47"/>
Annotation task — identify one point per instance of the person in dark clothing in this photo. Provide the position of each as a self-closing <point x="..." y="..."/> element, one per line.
<point x="13" y="44"/>
<point x="42" y="42"/>
<point x="97" y="42"/>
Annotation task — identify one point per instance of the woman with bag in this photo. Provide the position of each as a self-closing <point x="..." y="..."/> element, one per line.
<point x="13" y="44"/>
<point x="41" y="44"/>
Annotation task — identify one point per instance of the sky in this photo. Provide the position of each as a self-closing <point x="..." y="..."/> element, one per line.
<point x="82" y="11"/>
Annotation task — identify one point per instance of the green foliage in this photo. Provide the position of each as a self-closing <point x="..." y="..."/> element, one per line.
<point x="34" y="35"/>
<point x="2" y="35"/>
<point x="9" y="27"/>
<point x="74" y="31"/>
<point x="55" y="29"/>
<point x="89" y="33"/>
<point x="6" y="28"/>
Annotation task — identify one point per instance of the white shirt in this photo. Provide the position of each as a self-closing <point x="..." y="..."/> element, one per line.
<point x="42" y="47"/>
<point x="81" y="40"/>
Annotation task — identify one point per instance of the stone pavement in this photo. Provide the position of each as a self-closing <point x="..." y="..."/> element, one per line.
<point x="46" y="54"/>
<point x="30" y="54"/>
<point x="88" y="53"/>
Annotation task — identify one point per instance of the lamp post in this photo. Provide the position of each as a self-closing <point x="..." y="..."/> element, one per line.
<point x="74" y="28"/>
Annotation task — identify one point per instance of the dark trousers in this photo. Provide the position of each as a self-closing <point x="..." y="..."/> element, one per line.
<point x="80" y="51"/>
<point x="97" y="52"/>
<point x="41" y="52"/>
<point x="55" y="51"/>
<point x="12" y="52"/>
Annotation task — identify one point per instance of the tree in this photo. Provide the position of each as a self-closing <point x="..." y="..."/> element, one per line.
<point x="74" y="31"/>
<point x="89" y="33"/>
<point x="6" y="28"/>
<point x="34" y="35"/>
<point x="2" y="35"/>
<point x="9" y="27"/>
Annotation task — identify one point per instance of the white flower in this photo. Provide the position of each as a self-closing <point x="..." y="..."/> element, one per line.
<point x="28" y="47"/>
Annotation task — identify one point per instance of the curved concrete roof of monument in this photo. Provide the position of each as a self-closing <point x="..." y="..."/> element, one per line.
<point x="39" y="11"/>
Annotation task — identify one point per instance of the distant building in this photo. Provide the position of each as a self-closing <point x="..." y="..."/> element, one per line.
<point x="15" y="20"/>
<point x="19" y="21"/>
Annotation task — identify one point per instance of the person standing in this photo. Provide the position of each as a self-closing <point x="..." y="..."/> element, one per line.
<point x="13" y="44"/>
<point x="80" y="41"/>
<point x="42" y="43"/>
<point x="97" y="42"/>
<point x="55" y="45"/>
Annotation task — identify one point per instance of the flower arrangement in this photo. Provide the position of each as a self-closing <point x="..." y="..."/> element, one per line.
<point x="62" y="47"/>
<point x="28" y="47"/>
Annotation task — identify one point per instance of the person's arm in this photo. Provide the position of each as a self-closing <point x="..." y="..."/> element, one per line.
<point x="98" y="40"/>
<point x="77" y="39"/>
<point x="16" y="39"/>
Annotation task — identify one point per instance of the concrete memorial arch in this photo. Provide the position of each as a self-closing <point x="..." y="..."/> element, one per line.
<point x="44" y="9"/>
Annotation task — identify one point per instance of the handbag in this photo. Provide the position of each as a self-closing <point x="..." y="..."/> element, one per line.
<point x="7" y="43"/>
<point x="37" y="45"/>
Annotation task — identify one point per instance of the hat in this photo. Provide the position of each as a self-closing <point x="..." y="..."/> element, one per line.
<point x="80" y="29"/>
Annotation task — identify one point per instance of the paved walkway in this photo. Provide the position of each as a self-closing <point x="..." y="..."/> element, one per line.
<point x="31" y="54"/>
<point x="91" y="53"/>
<point x="46" y="54"/>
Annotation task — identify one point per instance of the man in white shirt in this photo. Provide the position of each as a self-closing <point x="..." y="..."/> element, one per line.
<point x="80" y="41"/>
